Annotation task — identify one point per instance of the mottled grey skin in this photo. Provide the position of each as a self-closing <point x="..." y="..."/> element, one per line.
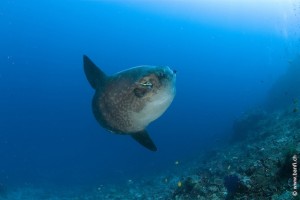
<point x="128" y="101"/>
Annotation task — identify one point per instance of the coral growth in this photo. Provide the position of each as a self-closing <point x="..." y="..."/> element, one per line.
<point x="255" y="167"/>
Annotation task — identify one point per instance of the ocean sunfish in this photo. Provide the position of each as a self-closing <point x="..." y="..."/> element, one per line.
<point x="128" y="101"/>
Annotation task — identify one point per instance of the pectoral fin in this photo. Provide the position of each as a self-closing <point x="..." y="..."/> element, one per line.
<point x="144" y="139"/>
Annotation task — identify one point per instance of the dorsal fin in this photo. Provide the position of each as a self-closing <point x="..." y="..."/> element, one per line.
<point x="93" y="74"/>
<point x="144" y="139"/>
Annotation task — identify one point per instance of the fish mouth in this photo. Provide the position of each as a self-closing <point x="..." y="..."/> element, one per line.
<point x="170" y="80"/>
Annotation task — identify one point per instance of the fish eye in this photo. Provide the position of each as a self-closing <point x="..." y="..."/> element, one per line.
<point x="147" y="84"/>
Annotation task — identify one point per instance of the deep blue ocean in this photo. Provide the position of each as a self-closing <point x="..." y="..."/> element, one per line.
<point x="227" y="55"/>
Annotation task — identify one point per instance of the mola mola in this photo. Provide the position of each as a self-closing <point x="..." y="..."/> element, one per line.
<point x="127" y="102"/>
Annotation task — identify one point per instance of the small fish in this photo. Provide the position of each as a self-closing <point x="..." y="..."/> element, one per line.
<point x="179" y="184"/>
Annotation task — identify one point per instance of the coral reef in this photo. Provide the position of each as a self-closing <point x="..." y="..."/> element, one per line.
<point x="248" y="125"/>
<point x="258" y="164"/>
<point x="232" y="183"/>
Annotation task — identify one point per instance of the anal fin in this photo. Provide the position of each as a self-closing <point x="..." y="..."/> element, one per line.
<point x="144" y="139"/>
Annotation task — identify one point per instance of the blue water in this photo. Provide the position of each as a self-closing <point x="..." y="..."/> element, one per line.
<point x="48" y="134"/>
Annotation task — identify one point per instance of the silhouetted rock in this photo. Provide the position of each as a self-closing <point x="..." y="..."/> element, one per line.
<point x="286" y="90"/>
